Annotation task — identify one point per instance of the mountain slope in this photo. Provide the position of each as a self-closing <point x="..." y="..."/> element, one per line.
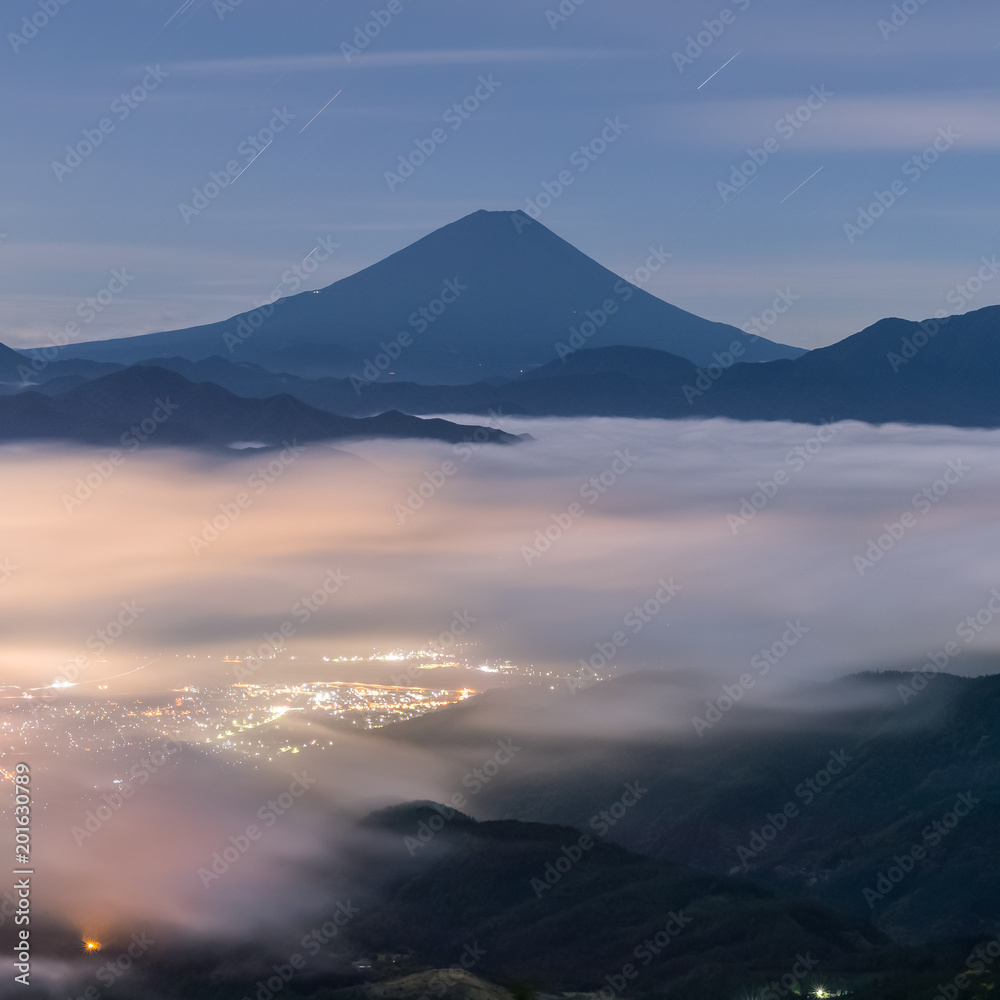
<point x="11" y="362"/>
<point x="610" y="381"/>
<point x="462" y="917"/>
<point x="563" y="909"/>
<point x="151" y="404"/>
<point x="894" y="371"/>
<point x="899" y="767"/>
<point x="489" y="295"/>
<point x="936" y="371"/>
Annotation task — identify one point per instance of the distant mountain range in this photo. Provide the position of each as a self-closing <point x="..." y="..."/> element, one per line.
<point x="338" y="352"/>
<point x="490" y="295"/>
<point x="461" y="919"/>
<point x="563" y="908"/>
<point x="867" y="769"/>
<point x="895" y="371"/>
<point x="145" y="404"/>
<point x="716" y="866"/>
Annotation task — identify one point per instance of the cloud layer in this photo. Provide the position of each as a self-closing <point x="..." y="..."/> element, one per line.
<point x="685" y="546"/>
<point x="424" y="530"/>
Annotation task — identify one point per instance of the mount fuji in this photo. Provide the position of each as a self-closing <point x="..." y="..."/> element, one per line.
<point x="489" y="296"/>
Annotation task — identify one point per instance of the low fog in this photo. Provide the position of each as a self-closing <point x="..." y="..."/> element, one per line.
<point x="676" y="511"/>
<point x="728" y="537"/>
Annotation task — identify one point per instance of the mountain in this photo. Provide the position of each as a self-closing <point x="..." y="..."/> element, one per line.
<point x="610" y="381"/>
<point x="10" y="363"/>
<point x="149" y="404"/>
<point x="20" y="370"/>
<point x="939" y="371"/>
<point x="820" y="797"/>
<point x="894" y="371"/>
<point x="464" y="916"/>
<point x="446" y="984"/>
<point x="562" y="908"/>
<point x="936" y="371"/>
<point x="603" y="382"/>
<point x="487" y="296"/>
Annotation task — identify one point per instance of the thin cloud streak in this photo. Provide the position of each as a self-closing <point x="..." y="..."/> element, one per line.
<point x="852" y="123"/>
<point x="388" y="60"/>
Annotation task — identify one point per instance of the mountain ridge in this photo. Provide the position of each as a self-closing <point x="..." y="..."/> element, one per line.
<point x="149" y="404"/>
<point x="904" y="763"/>
<point x="484" y="296"/>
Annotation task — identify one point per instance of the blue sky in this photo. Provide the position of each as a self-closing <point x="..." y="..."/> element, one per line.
<point x="209" y="79"/>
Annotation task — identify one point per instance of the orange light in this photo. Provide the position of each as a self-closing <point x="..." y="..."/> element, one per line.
<point x="92" y="945"/>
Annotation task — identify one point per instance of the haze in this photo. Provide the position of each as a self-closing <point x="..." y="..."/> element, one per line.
<point x="135" y="552"/>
